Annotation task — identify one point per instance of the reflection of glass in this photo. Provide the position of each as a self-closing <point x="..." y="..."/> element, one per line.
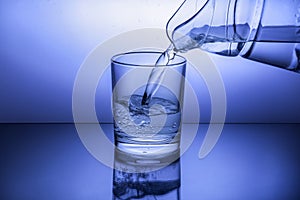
<point x="140" y="177"/>
<point x="152" y="128"/>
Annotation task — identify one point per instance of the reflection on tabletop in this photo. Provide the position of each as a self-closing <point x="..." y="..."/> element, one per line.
<point x="250" y="161"/>
<point x="146" y="177"/>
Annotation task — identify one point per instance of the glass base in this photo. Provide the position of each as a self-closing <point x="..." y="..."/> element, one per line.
<point x="148" y="149"/>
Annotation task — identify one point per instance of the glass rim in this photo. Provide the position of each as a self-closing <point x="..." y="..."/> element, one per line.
<point x="113" y="59"/>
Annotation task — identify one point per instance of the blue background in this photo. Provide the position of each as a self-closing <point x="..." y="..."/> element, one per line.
<point x="43" y="44"/>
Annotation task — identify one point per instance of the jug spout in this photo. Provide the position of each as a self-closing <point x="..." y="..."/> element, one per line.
<point x="190" y="14"/>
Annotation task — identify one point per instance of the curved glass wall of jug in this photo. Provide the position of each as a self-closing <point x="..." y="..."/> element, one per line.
<point x="221" y="27"/>
<point x="277" y="37"/>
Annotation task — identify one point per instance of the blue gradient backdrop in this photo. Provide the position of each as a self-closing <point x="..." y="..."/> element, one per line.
<point x="43" y="44"/>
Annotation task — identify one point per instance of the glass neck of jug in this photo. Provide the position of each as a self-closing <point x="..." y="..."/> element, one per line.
<point x="190" y="14"/>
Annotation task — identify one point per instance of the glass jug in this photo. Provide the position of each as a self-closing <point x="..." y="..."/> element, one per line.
<point x="266" y="31"/>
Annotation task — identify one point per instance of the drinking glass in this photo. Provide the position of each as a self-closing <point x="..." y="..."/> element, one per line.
<point x="152" y="128"/>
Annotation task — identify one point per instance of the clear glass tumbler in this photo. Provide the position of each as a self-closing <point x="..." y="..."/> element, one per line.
<point x="154" y="128"/>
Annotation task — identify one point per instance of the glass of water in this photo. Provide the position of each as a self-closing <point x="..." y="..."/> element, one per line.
<point x="152" y="128"/>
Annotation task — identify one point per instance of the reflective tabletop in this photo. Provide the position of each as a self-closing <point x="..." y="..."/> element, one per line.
<point x="250" y="161"/>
